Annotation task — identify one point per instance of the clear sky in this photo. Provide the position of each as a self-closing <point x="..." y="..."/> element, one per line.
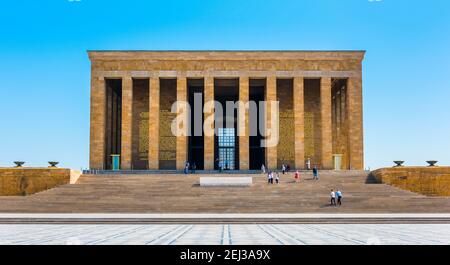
<point x="44" y="68"/>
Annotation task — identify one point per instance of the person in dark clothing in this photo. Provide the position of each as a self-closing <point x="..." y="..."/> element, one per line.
<point x="315" y="173"/>
<point x="339" y="197"/>
<point x="194" y="167"/>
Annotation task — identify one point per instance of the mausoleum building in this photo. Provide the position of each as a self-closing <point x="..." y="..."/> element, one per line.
<point x="319" y="95"/>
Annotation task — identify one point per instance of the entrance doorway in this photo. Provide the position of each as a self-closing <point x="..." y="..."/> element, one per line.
<point x="226" y="144"/>
<point x="226" y="148"/>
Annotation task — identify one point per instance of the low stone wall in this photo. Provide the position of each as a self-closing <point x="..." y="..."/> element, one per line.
<point x="25" y="181"/>
<point x="430" y="181"/>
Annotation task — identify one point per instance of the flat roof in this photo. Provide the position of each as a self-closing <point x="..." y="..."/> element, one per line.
<point x="226" y="50"/>
<point x="226" y="54"/>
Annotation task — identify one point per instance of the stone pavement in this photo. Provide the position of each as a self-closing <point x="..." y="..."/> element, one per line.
<point x="226" y="234"/>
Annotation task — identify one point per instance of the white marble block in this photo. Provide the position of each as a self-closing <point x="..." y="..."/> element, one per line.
<point x="225" y="181"/>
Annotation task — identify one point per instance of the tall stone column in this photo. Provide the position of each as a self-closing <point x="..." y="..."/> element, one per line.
<point x="127" y="125"/>
<point x="153" y="124"/>
<point x="271" y="95"/>
<point x="299" y="122"/>
<point x="209" y="139"/>
<point x="243" y="126"/>
<point x="181" y="155"/>
<point x="98" y="120"/>
<point x="325" y="113"/>
<point x="355" y="122"/>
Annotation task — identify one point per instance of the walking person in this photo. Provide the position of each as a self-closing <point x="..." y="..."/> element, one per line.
<point x="315" y="173"/>
<point x="277" y="178"/>
<point x="308" y="163"/>
<point x="297" y="176"/>
<point x="333" y="198"/>
<point x="339" y="197"/>
<point x="269" y="176"/>
<point x="283" y="168"/>
<point x="263" y="169"/>
<point x="186" y="167"/>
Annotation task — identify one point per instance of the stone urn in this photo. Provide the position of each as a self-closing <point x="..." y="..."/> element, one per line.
<point x="53" y="163"/>
<point x="431" y="163"/>
<point x="19" y="163"/>
<point x="398" y="163"/>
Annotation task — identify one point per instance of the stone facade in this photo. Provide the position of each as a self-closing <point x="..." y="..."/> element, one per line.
<point x="314" y="122"/>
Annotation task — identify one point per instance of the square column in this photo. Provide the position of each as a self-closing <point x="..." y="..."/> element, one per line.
<point x="243" y="126"/>
<point x="325" y="114"/>
<point x="127" y="117"/>
<point x="181" y="153"/>
<point x="98" y="120"/>
<point x="299" y="122"/>
<point x="153" y="124"/>
<point x="271" y="95"/>
<point x="209" y="139"/>
<point x="355" y="122"/>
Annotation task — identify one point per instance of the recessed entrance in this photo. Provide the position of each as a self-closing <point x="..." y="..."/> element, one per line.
<point x="196" y="139"/>
<point x="257" y="153"/>
<point x="226" y="92"/>
<point x="113" y="124"/>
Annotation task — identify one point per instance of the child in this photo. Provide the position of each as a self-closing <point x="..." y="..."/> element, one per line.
<point x="297" y="176"/>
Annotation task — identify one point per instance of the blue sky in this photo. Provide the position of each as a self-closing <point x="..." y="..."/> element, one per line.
<point x="44" y="67"/>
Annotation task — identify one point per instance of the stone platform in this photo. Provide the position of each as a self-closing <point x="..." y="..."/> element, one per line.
<point x="225" y="181"/>
<point x="179" y="193"/>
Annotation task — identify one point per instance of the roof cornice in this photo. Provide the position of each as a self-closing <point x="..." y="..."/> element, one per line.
<point x="226" y="55"/>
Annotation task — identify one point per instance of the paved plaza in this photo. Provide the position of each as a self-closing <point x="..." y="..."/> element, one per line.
<point x="226" y="234"/>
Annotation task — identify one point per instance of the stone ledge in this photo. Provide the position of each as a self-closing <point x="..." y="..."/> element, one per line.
<point x="227" y="55"/>
<point x="430" y="181"/>
<point x="28" y="180"/>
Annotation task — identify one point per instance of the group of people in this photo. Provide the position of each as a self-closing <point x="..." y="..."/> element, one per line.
<point x="273" y="175"/>
<point x="336" y="195"/>
<point x="188" y="166"/>
<point x="286" y="168"/>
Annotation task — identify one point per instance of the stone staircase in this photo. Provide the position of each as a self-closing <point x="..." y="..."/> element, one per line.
<point x="179" y="193"/>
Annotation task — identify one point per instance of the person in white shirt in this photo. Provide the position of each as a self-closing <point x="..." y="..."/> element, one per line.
<point x="333" y="197"/>
<point x="308" y="163"/>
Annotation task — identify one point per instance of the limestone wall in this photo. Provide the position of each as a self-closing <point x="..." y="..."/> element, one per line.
<point x="430" y="181"/>
<point x="26" y="181"/>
